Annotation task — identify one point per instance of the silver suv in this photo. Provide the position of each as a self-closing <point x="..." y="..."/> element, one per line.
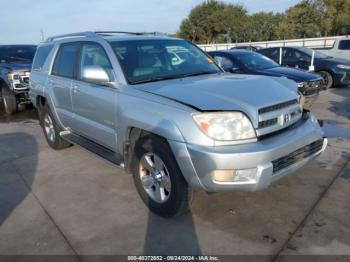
<point x="163" y="110"/>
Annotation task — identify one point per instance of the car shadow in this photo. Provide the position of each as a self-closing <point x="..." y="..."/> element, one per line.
<point x="176" y="236"/>
<point x="341" y="108"/>
<point x="26" y="115"/>
<point x="15" y="186"/>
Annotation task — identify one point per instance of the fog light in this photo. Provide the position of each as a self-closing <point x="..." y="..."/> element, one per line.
<point x="224" y="175"/>
<point x="243" y="175"/>
<point x="246" y="175"/>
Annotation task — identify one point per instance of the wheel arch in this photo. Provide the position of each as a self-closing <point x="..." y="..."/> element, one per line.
<point x="132" y="134"/>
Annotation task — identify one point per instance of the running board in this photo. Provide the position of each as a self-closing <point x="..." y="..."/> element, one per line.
<point x="91" y="146"/>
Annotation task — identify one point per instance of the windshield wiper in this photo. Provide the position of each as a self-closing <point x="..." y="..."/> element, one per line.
<point x="160" y="78"/>
<point x="154" y="79"/>
<point x="198" y="73"/>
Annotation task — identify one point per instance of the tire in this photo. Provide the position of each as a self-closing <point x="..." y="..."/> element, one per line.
<point x="327" y="78"/>
<point x="9" y="101"/>
<point x="51" y="129"/>
<point x="175" y="196"/>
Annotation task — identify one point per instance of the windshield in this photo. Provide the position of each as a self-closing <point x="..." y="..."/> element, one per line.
<point x="17" y="54"/>
<point x="318" y="54"/>
<point x="255" y="61"/>
<point x="154" y="60"/>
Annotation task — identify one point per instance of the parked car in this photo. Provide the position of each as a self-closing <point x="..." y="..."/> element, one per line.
<point x="15" y="65"/>
<point x="340" y="48"/>
<point x="335" y="71"/>
<point x="248" y="62"/>
<point x="177" y="127"/>
<point x="247" y="47"/>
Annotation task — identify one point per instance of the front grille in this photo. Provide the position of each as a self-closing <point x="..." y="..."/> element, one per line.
<point x="277" y="106"/>
<point x="296" y="156"/>
<point x="25" y="80"/>
<point x="267" y="123"/>
<point x="279" y="116"/>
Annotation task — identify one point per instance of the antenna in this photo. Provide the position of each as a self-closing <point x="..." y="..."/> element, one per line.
<point x="42" y="34"/>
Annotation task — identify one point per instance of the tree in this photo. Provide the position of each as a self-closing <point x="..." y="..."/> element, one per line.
<point x="215" y="21"/>
<point x="301" y="21"/>
<point x="212" y="19"/>
<point x="264" y="26"/>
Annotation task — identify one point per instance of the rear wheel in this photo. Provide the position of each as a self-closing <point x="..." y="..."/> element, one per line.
<point x="9" y="100"/>
<point x="327" y="77"/>
<point x="52" y="130"/>
<point x="158" y="178"/>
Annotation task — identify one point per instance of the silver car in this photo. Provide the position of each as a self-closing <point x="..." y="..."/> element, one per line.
<point x="178" y="125"/>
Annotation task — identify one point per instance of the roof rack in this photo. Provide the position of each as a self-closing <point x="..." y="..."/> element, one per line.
<point x="100" y="33"/>
<point x="88" y="33"/>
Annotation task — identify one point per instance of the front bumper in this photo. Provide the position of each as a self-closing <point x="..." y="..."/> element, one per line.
<point x="199" y="163"/>
<point x="341" y="77"/>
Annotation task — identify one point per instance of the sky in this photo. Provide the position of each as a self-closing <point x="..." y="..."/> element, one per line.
<point x="21" y="21"/>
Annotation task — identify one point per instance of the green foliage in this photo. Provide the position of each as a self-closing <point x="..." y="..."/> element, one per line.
<point x="216" y="21"/>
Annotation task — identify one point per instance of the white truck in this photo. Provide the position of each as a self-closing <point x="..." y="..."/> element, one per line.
<point x="340" y="49"/>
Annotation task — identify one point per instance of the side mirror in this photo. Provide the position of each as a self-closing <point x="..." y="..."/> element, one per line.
<point x="95" y="74"/>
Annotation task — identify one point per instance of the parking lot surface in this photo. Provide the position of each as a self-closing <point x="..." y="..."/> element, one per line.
<point x="72" y="203"/>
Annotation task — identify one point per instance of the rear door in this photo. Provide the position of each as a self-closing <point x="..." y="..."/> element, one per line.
<point x="94" y="105"/>
<point x="295" y="58"/>
<point x="60" y="81"/>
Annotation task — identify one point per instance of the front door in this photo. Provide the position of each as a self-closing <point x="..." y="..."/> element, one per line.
<point x="94" y="105"/>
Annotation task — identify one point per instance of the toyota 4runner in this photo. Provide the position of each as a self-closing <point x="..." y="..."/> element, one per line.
<point x="176" y="125"/>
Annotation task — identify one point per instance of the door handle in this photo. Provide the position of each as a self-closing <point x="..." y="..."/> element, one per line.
<point x="76" y="89"/>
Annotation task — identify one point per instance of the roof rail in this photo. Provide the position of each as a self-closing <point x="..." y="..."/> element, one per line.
<point x="130" y="33"/>
<point x="88" y="33"/>
<point x="100" y="33"/>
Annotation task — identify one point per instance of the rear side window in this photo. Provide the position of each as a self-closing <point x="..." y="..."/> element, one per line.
<point x="40" y="57"/>
<point x="272" y="53"/>
<point x="344" y="45"/>
<point x="65" y="62"/>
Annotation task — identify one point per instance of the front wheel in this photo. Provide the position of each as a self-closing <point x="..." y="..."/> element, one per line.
<point x="9" y="100"/>
<point x="158" y="178"/>
<point x="327" y="77"/>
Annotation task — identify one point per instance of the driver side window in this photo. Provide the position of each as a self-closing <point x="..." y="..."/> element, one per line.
<point x="94" y="55"/>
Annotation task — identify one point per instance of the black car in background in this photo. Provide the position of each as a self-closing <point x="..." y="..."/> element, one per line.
<point x="335" y="71"/>
<point x="15" y="67"/>
<point x="247" y="47"/>
<point x="248" y="62"/>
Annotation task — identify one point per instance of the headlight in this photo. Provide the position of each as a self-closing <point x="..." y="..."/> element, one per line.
<point x="13" y="76"/>
<point x="301" y="84"/>
<point x="10" y="76"/>
<point x="225" y="126"/>
<point x="346" y="67"/>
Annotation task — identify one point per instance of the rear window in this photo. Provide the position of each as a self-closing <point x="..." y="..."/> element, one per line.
<point x="65" y="62"/>
<point x="40" y="56"/>
<point x="344" y="45"/>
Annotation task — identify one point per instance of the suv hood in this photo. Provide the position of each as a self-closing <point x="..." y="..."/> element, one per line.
<point x="225" y="92"/>
<point x="16" y="66"/>
<point x="291" y="73"/>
